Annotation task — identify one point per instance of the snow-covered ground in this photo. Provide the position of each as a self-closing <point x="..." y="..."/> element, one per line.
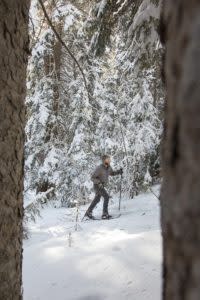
<point x="119" y="259"/>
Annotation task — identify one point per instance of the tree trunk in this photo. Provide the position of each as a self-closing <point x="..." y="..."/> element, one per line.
<point x="13" y="61"/>
<point x="180" y="194"/>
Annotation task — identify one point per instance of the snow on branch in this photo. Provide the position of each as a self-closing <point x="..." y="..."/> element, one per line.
<point x="64" y="45"/>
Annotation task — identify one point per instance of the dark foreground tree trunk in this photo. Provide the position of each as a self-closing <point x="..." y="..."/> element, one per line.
<point x="180" y="195"/>
<point x="13" y="61"/>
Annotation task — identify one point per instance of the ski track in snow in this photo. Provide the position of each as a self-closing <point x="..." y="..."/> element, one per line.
<point x="119" y="259"/>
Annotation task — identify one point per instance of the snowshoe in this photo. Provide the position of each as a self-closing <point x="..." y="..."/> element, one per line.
<point x="89" y="215"/>
<point x="106" y="216"/>
<point x="98" y="218"/>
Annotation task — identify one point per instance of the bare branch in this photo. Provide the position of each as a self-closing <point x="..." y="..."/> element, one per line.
<point x="35" y="38"/>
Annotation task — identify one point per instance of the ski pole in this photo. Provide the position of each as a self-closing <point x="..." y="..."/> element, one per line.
<point x="120" y="193"/>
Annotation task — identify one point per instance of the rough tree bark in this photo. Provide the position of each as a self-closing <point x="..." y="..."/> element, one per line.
<point x="180" y="194"/>
<point x="13" y="61"/>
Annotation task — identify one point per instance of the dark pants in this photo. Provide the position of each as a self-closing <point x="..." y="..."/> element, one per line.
<point x="100" y="192"/>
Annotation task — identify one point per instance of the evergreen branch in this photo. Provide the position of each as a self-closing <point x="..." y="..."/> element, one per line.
<point x="64" y="45"/>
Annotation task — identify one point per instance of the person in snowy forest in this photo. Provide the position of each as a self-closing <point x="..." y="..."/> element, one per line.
<point x="100" y="180"/>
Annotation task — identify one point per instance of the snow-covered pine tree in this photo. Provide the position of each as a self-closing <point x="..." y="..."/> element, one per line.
<point x="67" y="131"/>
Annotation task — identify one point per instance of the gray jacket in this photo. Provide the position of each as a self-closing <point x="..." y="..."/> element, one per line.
<point x="102" y="173"/>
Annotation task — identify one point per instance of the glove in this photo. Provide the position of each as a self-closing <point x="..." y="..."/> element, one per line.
<point x="100" y="185"/>
<point x="121" y="171"/>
